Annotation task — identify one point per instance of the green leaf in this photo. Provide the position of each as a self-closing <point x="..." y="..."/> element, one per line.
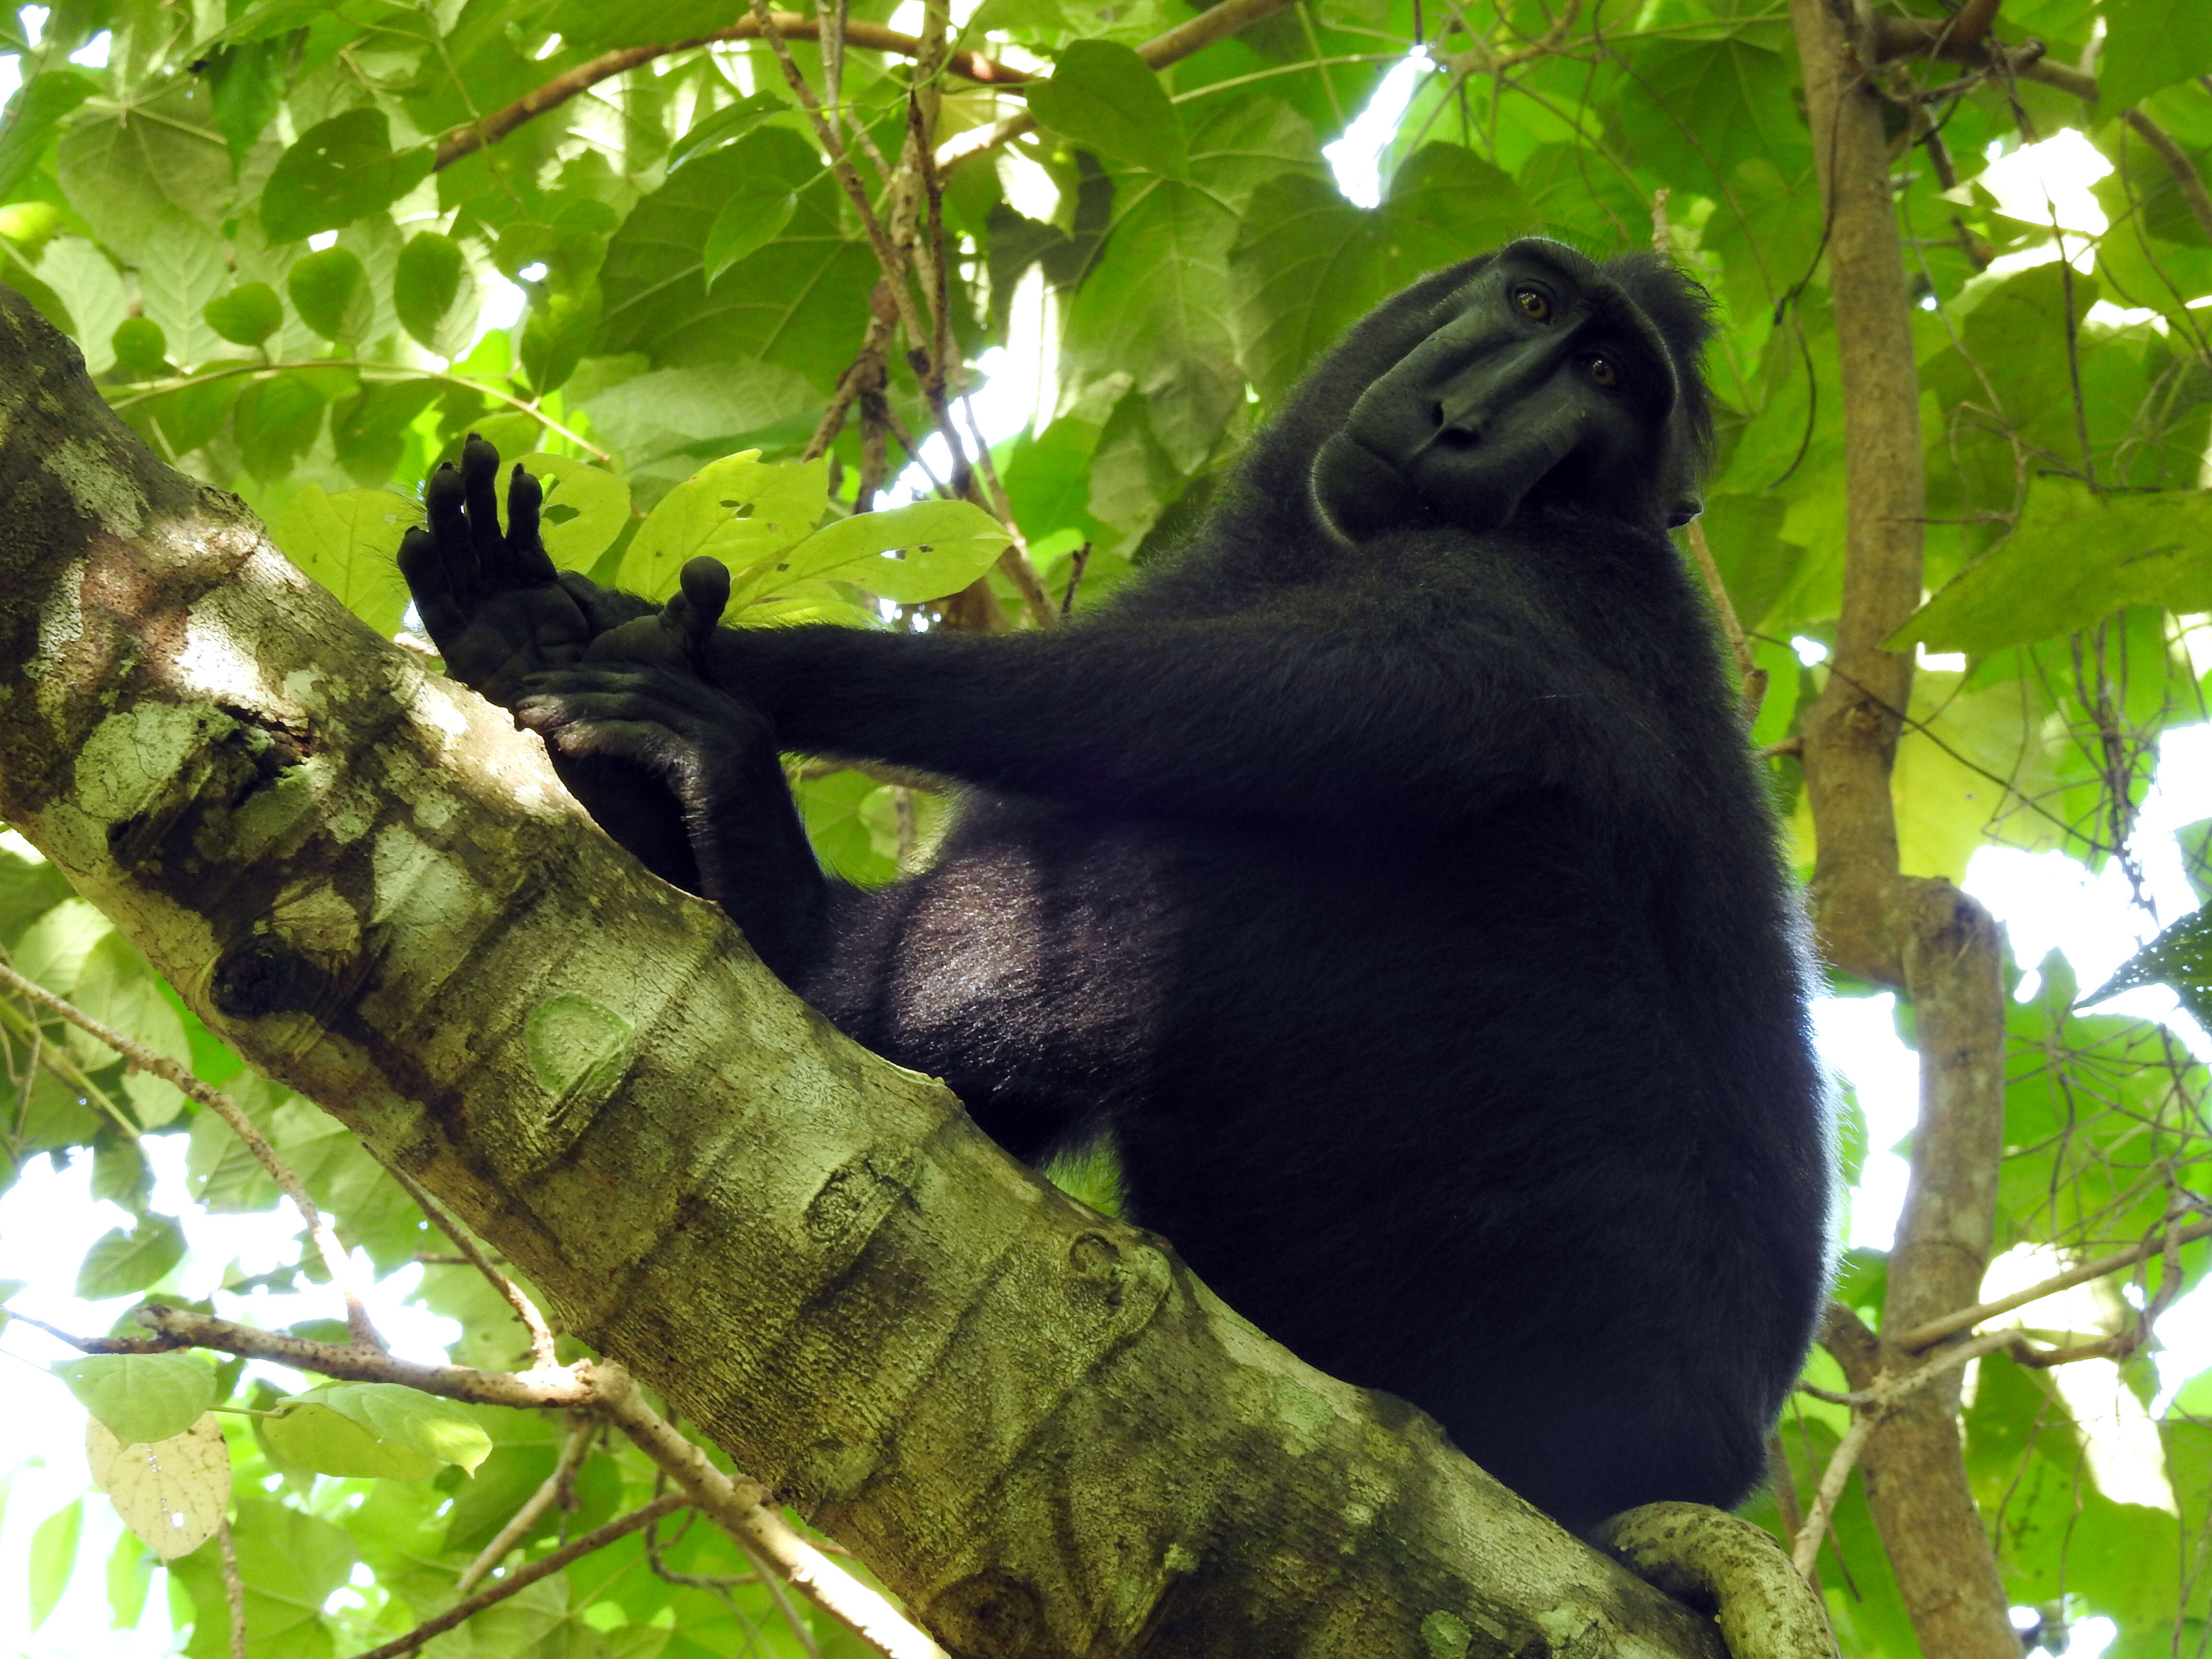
<point x="129" y="1576"/>
<point x="123" y="171"/>
<point x="54" y="948"/>
<point x="347" y="542"/>
<point x="681" y="414"/>
<point x="248" y="315"/>
<point x="370" y="433"/>
<point x="434" y="296"/>
<point x="339" y="170"/>
<point x="33" y="112"/>
<point x="119" y="1263"/>
<point x="726" y="126"/>
<point x="118" y="987"/>
<point x="948" y="546"/>
<point x="53" y="1557"/>
<point x="2074" y="557"/>
<point x="1156" y="307"/>
<point x="140" y="347"/>
<point x="1106" y="98"/>
<point x="181" y="268"/>
<point x="275" y="421"/>
<point x="751" y="219"/>
<point x="330" y="292"/>
<point x="2181" y="957"/>
<point x="2149" y="43"/>
<point x="403" y="1416"/>
<point x="314" y="1437"/>
<point x="738" y="510"/>
<point x="376" y="1428"/>
<point x="141" y="1396"/>
<point x="792" y="303"/>
<point x="584" y="509"/>
<point x="290" y="1562"/>
<point x="555" y="335"/>
<point x="249" y="88"/>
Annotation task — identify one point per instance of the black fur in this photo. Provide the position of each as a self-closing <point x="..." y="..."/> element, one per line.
<point x="1406" y="908"/>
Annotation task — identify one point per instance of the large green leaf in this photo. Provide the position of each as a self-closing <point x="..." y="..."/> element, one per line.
<point x="122" y="170"/>
<point x="799" y="302"/>
<point x="117" y="986"/>
<point x="1106" y="98"/>
<point x="346" y="542"/>
<point x="53" y="1557"/>
<point x="947" y="545"/>
<point x="2074" y="557"/>
<point x="2149" y="43"/>
<point x="339" y="170"/>
<point x="740" y="510"/>
<point x="1158" y="306"/>
<point x="141" y="1396"/>
<point x="434" y="295"/>
<point x="33" y="114"/>
<point x="119" y="1263"/>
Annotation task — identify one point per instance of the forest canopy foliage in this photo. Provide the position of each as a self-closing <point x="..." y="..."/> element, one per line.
<point x="305" y="248"/>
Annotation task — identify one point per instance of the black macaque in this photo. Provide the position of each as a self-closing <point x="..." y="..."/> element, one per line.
<point x="1386" y="873"/>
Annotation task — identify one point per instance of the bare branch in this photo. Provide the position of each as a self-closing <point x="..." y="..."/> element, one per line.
<point x="737" y="1507"/>
<point x="541" y="1334"/>
<point x="233" y="1588"/>
<point x="528" y="1574"/>
<point x="1177" y="44"/>
<point x="1936" y="1330"/>
<point x="1805" y="1551"/>
<point x="530" y="1389"/>
<point x="555" y="1487"/>
<point x="2186" y="176"/>
<point x="465" y="141"/>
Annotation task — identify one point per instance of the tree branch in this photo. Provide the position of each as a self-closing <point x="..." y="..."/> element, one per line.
<point x="1934" y="1330"/>
<point x="529" y="1573"/>
<point x="2186" y="176"/>
<point x="1217" y="23"/>
<point x="465" y="141"/>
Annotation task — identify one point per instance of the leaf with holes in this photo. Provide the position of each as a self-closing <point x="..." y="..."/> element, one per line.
<point x="339" y="170"/>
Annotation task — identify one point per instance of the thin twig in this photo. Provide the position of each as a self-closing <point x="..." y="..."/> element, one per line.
<point x="556" y="1488"/>
<point x="566" y="1387"/>
<point x="1015" y="561"/>
<point x="319" y="1231"/>
<point x="541" y="1335"/>
<point x="2186" y="176"/>
<point x="465" y="141"/>
<point x="1805" y="1551"/>
<point x="233" y="1588"/>
<point x="528" y="1574"/>
<point x="146" y="390"/>
<point x="1216" y="23"/>
<point x="1934" y="1330"/>
<point x="738" y="1509"/>
<point x="841" y="165"/>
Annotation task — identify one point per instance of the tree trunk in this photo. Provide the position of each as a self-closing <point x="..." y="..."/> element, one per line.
<point x="1925" y="936"/>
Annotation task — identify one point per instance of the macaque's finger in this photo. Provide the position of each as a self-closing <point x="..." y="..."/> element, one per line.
<point x="480" y="492"/>
<point x="692" y="615"/>
<point x="524" y="562"/>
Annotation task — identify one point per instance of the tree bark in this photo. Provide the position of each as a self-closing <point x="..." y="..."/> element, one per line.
<point x="1922" y="935"/>
<point x="1038" y="1427"/>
